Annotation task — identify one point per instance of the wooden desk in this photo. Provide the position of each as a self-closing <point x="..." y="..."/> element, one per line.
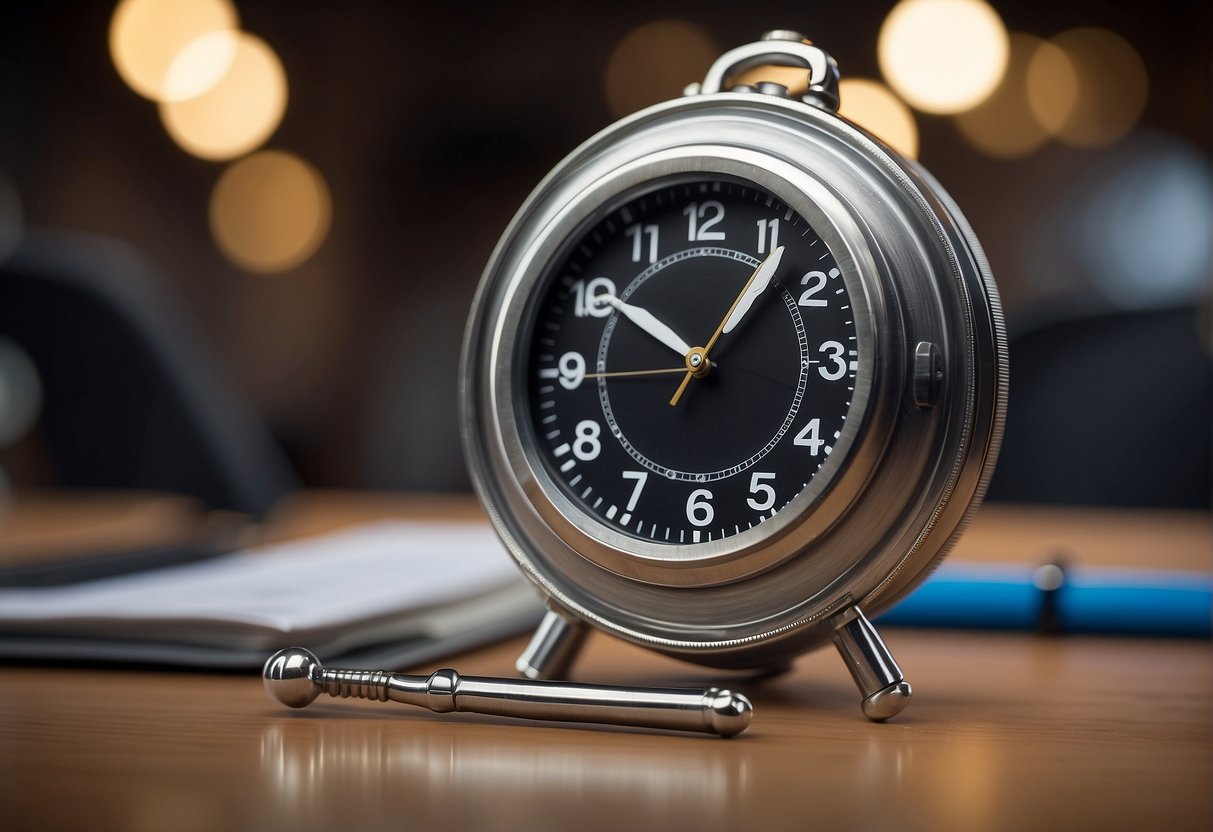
<point x="1006" y="731"/>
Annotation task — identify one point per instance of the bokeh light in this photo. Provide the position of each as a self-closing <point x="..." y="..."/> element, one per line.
<point x="270" y="212"/>
<point x="874" y="107"/>
<point x="147" y="36"/>
<point x="1003" y="125"/>
<point x="201" y="64"/>
<point x="943" y="56"/>
<point x="11" y="218"/>
<point x="654" y="62"/>
<point x="1088" y="88"/>
<point x="1144" y="222"/>
<point x="20" y="392"/>
<point x="239" y="112"/>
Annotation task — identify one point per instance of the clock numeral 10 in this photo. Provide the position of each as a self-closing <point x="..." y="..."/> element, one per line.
<point x="768" y="229"/>
<point x="586" y="294"/>
<point x="702" y="216"/>
<point x="638" y="232"/>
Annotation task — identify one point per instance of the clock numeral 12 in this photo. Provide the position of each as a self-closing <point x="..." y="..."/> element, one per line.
<point x="699" y="221"/>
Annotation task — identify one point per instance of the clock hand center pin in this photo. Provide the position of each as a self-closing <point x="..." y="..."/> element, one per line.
<point x="697" y="362"/>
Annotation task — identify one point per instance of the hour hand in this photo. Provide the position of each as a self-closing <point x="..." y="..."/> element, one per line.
<point x="647" y="321"/>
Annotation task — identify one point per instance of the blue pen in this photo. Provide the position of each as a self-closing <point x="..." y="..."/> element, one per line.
<point x="1052" y="598"/>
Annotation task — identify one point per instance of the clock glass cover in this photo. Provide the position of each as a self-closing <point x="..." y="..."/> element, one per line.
<point x="693" y="360"/>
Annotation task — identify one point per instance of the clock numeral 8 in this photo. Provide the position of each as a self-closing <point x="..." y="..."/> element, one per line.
<point x="587" y="447"/>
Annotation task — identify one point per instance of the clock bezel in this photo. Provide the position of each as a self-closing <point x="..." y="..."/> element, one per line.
<point x="555" y="524"/>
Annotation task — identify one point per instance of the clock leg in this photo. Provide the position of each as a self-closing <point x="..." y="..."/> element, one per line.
<point x="554" y="646"/>
<point x="885" y="689"/>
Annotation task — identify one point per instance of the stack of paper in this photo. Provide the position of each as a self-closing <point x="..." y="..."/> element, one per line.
<point x="390" y="594"/>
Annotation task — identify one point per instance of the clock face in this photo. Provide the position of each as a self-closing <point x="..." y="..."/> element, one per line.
<point x="691" y="361"/>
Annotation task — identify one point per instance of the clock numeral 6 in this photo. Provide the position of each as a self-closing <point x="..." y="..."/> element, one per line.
<point x="587" y="447"/>
<point x="585" y="297"/>
<point x="757" y="486"/>
<point x="699" y="510"/>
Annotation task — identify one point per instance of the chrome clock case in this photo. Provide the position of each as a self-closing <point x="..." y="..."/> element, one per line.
<point x="922" y="431"/>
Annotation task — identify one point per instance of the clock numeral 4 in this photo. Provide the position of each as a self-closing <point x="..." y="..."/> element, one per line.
<point x="810" y="437"/>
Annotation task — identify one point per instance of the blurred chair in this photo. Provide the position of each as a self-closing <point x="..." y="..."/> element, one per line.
<point x="131" y="399"/>
<point x="1112" y="410"/>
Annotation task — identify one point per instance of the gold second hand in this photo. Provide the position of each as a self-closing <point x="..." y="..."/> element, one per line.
<point x="635" y="373"/>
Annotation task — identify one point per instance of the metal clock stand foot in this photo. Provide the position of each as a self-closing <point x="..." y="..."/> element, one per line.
<point x="559" y="637"/>
<point x="554" y="646"/>
<point x="883" y="686"/>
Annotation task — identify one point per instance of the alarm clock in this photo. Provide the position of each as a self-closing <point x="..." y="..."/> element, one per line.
<point x="734" y="379"/>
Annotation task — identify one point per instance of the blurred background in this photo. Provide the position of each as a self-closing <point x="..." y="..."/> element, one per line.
<point x="238" y="239"/>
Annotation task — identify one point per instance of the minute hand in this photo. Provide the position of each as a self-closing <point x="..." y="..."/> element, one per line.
<point x="647" y="321"/>
<point x="765" y="272"/>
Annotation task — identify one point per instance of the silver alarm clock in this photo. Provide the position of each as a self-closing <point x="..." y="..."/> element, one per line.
<point x="734" y="380"/>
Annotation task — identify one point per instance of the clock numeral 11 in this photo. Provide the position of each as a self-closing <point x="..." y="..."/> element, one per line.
<point x="768" y="232"/>
<point x="638" y="232"/>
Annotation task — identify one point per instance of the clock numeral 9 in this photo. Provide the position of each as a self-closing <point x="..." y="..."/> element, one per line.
<point x="757" y="486"/>
<point x="699" y="510"/>
<point x="585" y="297"/>
<point x="570" y="370"/>
<point x="587" y="447"/>
<point x="699" y="221"/>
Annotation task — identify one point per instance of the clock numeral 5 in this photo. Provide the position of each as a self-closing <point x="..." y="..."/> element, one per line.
<point x="757" y="486"/>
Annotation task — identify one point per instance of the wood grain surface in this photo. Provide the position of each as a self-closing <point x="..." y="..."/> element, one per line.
<point x="1006" y="731"/>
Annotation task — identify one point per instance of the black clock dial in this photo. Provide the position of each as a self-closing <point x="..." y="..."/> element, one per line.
<point x="692" y="361"/>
